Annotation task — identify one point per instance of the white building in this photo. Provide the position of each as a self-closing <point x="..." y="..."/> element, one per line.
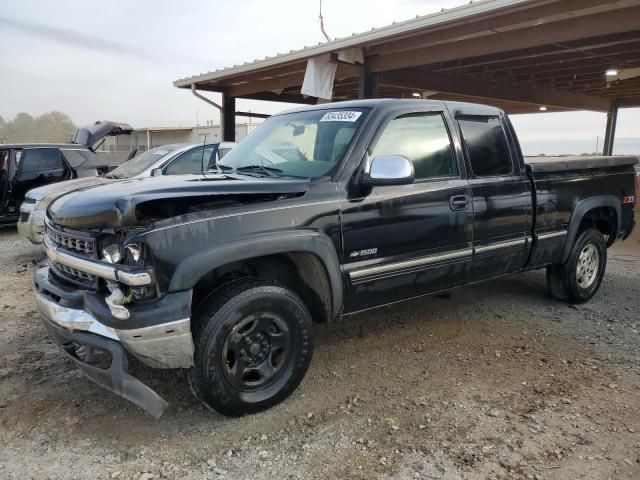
<point x="117" y="149"/>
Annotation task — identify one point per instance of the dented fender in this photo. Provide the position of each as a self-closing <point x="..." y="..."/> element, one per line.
<point x="194" y="266"/>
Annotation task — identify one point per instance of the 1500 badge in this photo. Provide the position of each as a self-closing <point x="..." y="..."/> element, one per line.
<point x="364" y="253"/>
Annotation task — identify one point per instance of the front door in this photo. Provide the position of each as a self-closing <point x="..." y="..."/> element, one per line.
<point x="501" y="198"/>
<point x="404" y="241"/>
<point x="37" y="167"/>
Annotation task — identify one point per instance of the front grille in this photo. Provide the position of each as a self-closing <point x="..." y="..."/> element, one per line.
<point x="75" y="276"/>
<point x="24" y="217"/>
<point x="77" y="243"/>
<point x="72" y="241"/>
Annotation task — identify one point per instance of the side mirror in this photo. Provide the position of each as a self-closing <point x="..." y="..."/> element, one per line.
<point x="389" y="170"/>
<point x="156" y="172"/>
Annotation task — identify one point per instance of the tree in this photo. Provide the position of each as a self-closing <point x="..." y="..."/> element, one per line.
<point x="23" y="128"/>
<point x="55" y="127"/>
<point x="52" y="127"/>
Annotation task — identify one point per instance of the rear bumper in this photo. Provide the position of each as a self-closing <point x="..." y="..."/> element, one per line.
<point x="161" y="337"/>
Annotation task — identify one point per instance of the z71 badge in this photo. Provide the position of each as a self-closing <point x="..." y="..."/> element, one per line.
<point x="364" y="253"/>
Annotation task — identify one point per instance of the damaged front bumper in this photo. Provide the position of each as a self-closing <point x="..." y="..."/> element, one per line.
<point x="158" y="333"/>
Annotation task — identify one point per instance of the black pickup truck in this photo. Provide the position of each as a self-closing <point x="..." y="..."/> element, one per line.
<point x="321" y="212"/>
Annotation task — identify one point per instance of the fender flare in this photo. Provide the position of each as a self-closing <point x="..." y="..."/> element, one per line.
<point x="580" y="210"/>
<point x="192" y="268"/>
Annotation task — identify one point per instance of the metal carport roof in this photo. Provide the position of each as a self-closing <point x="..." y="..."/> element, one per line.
<point x="515" y="54"/>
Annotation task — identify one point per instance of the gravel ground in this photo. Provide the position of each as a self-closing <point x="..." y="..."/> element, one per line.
<point x="495" y="381"/>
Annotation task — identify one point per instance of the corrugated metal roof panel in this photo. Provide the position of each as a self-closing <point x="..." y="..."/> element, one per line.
<point x="356" y="39"/>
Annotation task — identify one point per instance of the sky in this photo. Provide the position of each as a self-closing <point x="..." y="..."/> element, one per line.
<point x="117" y="60"/>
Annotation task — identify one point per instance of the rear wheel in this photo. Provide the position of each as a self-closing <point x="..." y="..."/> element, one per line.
<point x="252" y="349"/>
<point x="578" y="279"/>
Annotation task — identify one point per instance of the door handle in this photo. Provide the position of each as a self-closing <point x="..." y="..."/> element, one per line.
<point x="458" y="202"/>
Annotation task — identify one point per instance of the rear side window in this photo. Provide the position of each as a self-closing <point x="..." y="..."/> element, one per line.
<point x="195" y="160"/>
<point x="36" y="159"/>
<point x="77" y="158"/>
<point x="487" y="146"/>
<point x="422" y="138"/>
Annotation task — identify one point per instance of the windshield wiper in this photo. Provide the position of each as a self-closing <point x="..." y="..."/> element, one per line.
<point x="269" y="171"/>
<point x="219" y="166"/>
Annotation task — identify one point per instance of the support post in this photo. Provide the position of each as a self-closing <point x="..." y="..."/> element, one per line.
<point x="228" y="118"/>
<point x="368" y="82"/>
<point x="610" y="134"/>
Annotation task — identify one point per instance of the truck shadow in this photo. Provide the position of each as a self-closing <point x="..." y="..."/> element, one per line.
<point x="448" y="312"/>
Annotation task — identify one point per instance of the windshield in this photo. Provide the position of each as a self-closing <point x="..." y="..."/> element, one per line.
<point x="139" y="164"/>
<point x="303" y="144"/>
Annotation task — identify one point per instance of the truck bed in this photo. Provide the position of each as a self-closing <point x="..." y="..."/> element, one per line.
<point x="565" y="164"/>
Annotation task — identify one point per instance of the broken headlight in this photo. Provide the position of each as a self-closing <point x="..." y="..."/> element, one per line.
<point x="111" y="253"/>
<point x="134" y="254"/>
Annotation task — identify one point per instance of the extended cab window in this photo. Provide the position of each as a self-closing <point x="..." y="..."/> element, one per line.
<point x="195" y="160"/>
<point x="486" y="146"/>
<point x="424" y="140"/>
<point x="36" y="159"/>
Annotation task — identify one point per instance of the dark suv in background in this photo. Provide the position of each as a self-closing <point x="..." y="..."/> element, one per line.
<point x="27" y="166"/>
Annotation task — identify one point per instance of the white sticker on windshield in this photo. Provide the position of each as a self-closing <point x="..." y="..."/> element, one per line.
<point x="340" y="116"/>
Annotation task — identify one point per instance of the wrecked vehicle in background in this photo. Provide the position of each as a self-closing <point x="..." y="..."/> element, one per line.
<point x="174" y="159"/>
<point x="28" y="166"/>
<point x="319" y="213"/>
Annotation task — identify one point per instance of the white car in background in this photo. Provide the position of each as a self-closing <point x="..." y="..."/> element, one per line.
<point x="174" y="159"/>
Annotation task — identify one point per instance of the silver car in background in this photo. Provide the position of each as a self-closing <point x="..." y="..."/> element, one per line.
<point x="174" y="159"/>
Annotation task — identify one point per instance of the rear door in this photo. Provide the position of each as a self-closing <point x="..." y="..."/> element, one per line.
<point x="404" y="241"/>
<point x="37" y="167"/>
<point x="501" y="197"/>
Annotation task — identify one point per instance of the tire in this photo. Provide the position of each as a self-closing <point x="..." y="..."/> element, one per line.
<point x="252" y="348"/>
<point x="577" y="280"/>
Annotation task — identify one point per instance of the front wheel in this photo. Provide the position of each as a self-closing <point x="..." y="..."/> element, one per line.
<point x="578" y="279"/>
<point x="252" y="349"/>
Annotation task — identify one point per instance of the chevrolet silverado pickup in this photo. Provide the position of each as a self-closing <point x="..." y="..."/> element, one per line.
<point x="321" y="212"/>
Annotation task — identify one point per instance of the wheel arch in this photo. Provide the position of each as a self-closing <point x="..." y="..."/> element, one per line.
<point x="310" y="255"/>
<point x="591" y="209"/>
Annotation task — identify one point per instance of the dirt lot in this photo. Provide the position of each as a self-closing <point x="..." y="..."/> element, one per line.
<point x="493" y="381"/>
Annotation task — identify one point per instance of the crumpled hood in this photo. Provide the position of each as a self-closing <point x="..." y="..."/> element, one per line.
<point x="114" y="205"/>
<point x="54" y="190"/>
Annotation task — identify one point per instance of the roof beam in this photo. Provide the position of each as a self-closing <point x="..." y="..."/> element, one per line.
<point x="536" y="57"/>
<point x="294" y="80"/>
<point x="420" y="80"/>
<point x="269" y="85"/>
<point x="607" y="23"/>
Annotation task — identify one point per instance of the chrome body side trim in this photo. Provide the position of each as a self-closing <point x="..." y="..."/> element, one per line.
<point x="546" y="236"/>
<point x="418" y="262"/>
<point x="500" y="245"/>
<point x="99" y="269"/>
<point x="359" y="273"/>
